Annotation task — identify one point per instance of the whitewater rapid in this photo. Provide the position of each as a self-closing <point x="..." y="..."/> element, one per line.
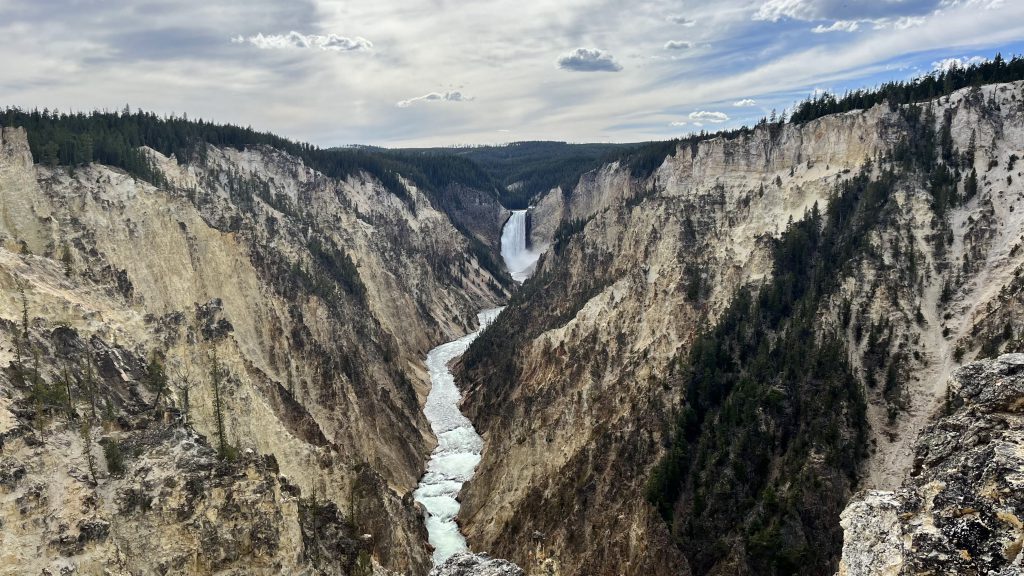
<point x="519" y="260"/>
<point x="458" y="447"/>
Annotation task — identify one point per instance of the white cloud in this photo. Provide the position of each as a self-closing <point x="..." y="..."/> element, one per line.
<point x="901" y="23"/>
<point x="294" y="39"/>
<point x="706" y="116"/>
<point x="775" y="10"/>
<point x="986" y="4"/>
<point x="699" y="118"/>
<point x="678" y="45"/>
<point x="744" y="103"/>
<point x="588" y="60"/>
<point x="837" y="26"/>
<point x="682" y="21"/>
<point x="849" y="16"/>
<point x="949" y="63"/>
<point x="454" y="96"/>
<point x="52" y="60"/>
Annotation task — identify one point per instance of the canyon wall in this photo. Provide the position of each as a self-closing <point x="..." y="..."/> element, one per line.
<point x="315" y="299"/>
<point x="581" y="387"/>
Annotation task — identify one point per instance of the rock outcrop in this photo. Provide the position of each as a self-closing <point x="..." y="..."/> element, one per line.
<point x="961" y="510"/>
<point x="469" y="564"/>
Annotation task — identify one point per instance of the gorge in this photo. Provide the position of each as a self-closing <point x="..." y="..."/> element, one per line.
<point x="459" y="447"/>
<point x="770" y="350"/>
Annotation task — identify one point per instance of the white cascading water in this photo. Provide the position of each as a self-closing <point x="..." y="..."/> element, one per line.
<point x="458" y="450"/>
<point x="518" y="259"/>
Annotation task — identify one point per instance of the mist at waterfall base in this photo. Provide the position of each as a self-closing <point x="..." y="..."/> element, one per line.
<point x="518" y="259"/>
<point x="458" y="447"/>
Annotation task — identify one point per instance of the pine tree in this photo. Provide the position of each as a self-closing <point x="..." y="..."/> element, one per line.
<point x="89" y="384"/>
<point x="216" y="376"/>
<point x="68" y="260"/>
<point x="971" y="185"/>
<point x="69" y="399"/>
<point x="21" y="339"/>
<point x="156" y="378"/>
<point x="86" y="431"/>
<point x="183" y="375"/>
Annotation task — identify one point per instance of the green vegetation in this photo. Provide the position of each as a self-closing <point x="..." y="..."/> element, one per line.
<point x="919" y="89"/>
<point x="90" y="462"/>
<point x="114" y="456"/>
<point x="114" y="138"/>
<point x="523" y="170"/>
<point x="216" y="382"/>
<point x="338" y="266"/>
<point x="766" y="450"/>
<point x="156" y="378"/>
<point x="774" y="427"/>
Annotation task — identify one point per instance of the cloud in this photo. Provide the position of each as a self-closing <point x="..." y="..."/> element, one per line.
<point x="436" y="97"/>
<point x="682" y="21"/>
<point x="949" y="63"/>
<point x="588" y="60"/>
<point x="986" y="4"/>
<point x="837" y="26"/>
<point x="678" y="45"/>
<point x="846" y="14"/>
<point x="71" y="54"/>
<point x="744" y="103"/>
<point x="699" y="118"/>
<point x="901" y="23"/>
<point x="775" y="10"/>
<point x="706" y="116"/>
<point x="294" y="39"/>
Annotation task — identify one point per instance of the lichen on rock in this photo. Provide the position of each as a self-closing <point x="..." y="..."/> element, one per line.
<point x="961" y="510"/>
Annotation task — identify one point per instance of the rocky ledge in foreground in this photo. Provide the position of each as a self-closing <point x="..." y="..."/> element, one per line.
<point x="469" y="564"/>
<point x="961" y="510"/>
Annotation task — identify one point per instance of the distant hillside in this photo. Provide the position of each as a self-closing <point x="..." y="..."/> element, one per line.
<point x="526" y="169"/>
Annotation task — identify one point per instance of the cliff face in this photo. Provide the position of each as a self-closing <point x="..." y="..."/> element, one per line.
<point x="581" y="384"/>
<point x="960" y="510"/>
<point x="319" y="298"/>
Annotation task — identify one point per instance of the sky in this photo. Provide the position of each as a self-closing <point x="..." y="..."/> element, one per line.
<point x="445" y="72"/>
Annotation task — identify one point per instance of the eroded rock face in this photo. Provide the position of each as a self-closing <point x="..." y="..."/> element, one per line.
<point x="469" y="564"/>
<point x="320" y="297"/>
<point x="961" y="510"/>
<point x="583" y="398"/>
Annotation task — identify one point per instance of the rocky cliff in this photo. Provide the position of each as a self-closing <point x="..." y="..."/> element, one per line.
<point x="960" y="510"/>
<point x="886" y="240"/>
<point x="222" y="374"/>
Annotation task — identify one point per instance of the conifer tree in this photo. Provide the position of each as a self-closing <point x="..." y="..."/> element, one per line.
<point x="216" y="377"/>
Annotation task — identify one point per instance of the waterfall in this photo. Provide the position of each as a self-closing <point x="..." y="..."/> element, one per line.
<point x="519" y="260"/>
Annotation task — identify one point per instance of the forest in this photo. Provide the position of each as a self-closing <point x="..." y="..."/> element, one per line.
<point x="927" y="87"/>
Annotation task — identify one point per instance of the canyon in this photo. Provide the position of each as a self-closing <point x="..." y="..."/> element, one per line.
<point x="778" y="350"/>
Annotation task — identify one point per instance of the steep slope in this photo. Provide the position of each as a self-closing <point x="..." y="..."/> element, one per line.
<point x="315" y="299"/>
<point x="862" y="233"/>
